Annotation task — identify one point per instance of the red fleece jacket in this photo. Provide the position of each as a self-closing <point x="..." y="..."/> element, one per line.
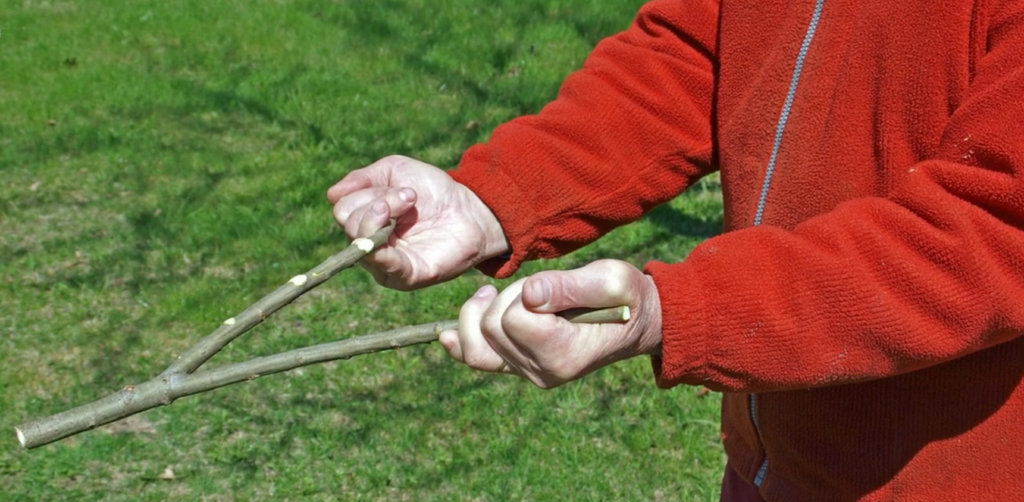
<point x="865" y="322"/>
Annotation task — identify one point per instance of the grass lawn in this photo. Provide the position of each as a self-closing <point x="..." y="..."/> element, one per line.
<point x="163" y="165"/>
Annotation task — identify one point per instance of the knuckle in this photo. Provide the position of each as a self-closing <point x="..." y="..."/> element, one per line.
<point x="396" y="162"/>
<point x="351" y="228"/>
<point x="508" y="324"/>
<point x="525" y="327"/>
<point x="610" y="266"/>
<point x="490" y="330"/>
<point x="617" y="278"/>
<point x="617" y="287"/>
<point x="611" y="288"/>
<point x="393" y="159"/>
<point x="341" y="211"/>
<point x="391" y="268"/>
<point x="431" y="275"/>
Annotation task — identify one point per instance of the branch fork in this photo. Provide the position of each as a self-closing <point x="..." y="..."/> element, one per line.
<point x="181" y="378"/>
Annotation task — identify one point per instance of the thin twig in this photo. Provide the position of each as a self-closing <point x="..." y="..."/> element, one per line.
<point x="259" y="311"/>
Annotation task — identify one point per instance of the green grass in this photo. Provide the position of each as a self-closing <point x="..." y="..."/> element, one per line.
<point x="164" y="164"/>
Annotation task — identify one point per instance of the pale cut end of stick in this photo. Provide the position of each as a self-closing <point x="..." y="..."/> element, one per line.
<point x="365" y="245"/>
<point x="21" y="436"/>
<point x="299" y="279"/>
<point x="230" y="322"/>
<point x="625" y="313"/>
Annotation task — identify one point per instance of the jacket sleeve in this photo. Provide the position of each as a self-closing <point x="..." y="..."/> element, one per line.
<point x="878" y="286"/>
<point x="629" y="130"/>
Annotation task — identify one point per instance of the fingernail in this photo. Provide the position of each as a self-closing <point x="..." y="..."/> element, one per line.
<point x="483" y="292"/>
<point x="379" y="207"/>
<point x="405" y="194"/>
<point x="539" y="291"/>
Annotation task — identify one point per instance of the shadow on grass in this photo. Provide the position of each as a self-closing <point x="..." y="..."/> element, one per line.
<point x="418" y="409"/>
<point x="431" y="41"/>
<point x="673" y="221"/>
<point x="676" y="231"/>
<point x="398" y="428"/>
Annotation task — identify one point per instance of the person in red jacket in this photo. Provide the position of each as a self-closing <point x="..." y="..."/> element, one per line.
<point x="862" y="311"/>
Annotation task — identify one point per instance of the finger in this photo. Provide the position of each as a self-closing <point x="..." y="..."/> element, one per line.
<point x="352" y="182"/>
<point x="513" y="329"/>
<point x="350" y="209"/>
<point x="355" y="203"/>
<point x="477" y="353"/>
<point x="555" y="351"/>
<point x="491" y="320"/>
<point x="505" y="328"/>
<point x="375" y="270"/>
<point x="377" y="174"/>
<point x="449" y="340"/>
<point x="604" y="283"/>
<point x="390" y="268"/>
<point x="373" y="219"/>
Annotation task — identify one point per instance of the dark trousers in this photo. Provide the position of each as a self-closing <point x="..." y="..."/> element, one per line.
<point x="737" y="489"/>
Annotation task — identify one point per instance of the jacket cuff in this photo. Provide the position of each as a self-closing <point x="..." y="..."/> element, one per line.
<point x="509" y="204"/>
<point x="684" y="340"/>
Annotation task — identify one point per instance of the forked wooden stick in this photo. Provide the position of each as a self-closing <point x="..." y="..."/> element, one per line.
<point x="180" y="378"/>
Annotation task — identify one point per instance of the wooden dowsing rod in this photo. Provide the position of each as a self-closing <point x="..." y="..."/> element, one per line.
<point x="181" y="379"/>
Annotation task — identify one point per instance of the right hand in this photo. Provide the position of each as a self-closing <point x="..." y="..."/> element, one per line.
<point x="442" y="227"/>
<point x="518" y="332"/>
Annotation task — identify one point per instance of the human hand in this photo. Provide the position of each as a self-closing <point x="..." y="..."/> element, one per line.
<point x="517" y="332"/>
<point x="442" y="228"/>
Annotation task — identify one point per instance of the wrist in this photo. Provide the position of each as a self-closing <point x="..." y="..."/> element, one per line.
<point x="649" y="336"/>
<point x="494" y="243"/>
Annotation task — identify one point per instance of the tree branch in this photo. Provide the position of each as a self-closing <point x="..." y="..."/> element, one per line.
<point x="181" y="379"/>
<point x="166" y="388"/>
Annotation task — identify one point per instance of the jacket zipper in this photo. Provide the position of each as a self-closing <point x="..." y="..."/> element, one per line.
<point x="779" y="130"/>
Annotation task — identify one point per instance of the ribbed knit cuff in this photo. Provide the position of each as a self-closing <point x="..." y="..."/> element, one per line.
<point x="684" y="340"/>
<point x="509" y="204"/>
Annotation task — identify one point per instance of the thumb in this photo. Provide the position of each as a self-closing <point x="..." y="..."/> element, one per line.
<point x="604" y="283"/>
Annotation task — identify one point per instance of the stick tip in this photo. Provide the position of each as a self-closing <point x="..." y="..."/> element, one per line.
<point x="625" y="313"/>
<point x="21" y="436"/>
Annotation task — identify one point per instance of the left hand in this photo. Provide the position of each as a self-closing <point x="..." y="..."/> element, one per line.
<point x="441" y="227"/>
<point x="517" y="332"/>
